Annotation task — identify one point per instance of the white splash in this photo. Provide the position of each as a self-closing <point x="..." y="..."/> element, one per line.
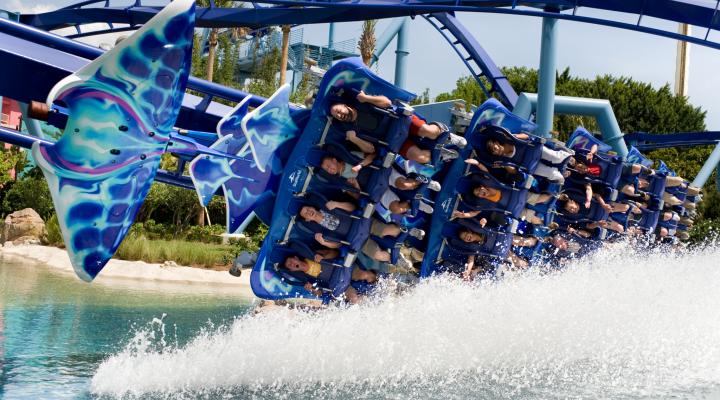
<point x="609" y="326"/>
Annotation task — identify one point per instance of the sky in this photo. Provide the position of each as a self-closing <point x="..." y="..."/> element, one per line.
<point x="588" y="50"/>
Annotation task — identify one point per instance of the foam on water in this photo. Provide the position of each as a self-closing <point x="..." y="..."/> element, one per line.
<point x="643" y="325"/>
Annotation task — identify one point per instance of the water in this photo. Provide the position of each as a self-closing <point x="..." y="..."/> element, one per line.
<point x="55" y="330"/>
<point x="645" y="326"/>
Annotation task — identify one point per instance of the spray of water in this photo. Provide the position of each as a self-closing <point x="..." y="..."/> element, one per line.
<point x="634" y="326"/>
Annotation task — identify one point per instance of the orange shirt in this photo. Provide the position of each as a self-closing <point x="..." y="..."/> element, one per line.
<point x="496" y="197"/>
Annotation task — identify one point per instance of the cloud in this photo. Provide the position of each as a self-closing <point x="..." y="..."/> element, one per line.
<point x="24" y="8"/>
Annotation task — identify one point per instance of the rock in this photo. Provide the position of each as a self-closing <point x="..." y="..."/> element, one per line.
<point x="22" y="224"/>
<point x="169" y="264"/>
<point x="25" y="240"/>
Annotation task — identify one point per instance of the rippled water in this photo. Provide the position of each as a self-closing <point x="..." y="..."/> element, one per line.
<point x="55" y="330"/>
<point x="641" y="326"/>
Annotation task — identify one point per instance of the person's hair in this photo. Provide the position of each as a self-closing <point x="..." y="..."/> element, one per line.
<point x="477" y="188"/>
<point x="480" y="235"/>
<point x="284" y="263"/>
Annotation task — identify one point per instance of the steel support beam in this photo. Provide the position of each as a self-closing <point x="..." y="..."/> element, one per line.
<point x="598" y="108"/>
<point x="546" y="77"/>
<point x="386" y="37"/>
<point x="401" y="54"/>
<point x="710" y="164"/>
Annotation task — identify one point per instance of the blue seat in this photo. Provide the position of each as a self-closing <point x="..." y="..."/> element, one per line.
<point x="671" y="225"/>
<point x="496" y="244"/>
<point x="357" y="232"/>
<point x="656" y="184"/>
<point x="512" y="200"/>
<point x="575" y="182"/>
<point x="333" y="281"/>
<point x="581" y="139"/>
<point x="528" y="152"/>
<point x="678" y="191"/>
<point x="546" y="211"/>
<point x="594" y="213"/>
<point x="648" y="220"/>
<point x="611" y="166"/>
<point x="393" y="123"/>
<point x="373" y="180"/>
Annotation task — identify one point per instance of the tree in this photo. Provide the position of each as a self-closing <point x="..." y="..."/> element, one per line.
<point x="264" y="81"/>
<point x="366" y="43"/>
<point x="30" y="192"/>
<point x="11" y="159"/>
<point x="424" y="98"/>
<point x="213" y="39"/>
<point x="284" y="52"/>
<point x="638" y="107"/>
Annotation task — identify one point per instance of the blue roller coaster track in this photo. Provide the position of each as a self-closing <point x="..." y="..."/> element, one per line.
<point x="29" y="50"/>
<point x="33" y="54"/>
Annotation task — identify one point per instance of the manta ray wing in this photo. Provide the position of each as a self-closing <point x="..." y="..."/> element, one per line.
<point x="122" y="107"/>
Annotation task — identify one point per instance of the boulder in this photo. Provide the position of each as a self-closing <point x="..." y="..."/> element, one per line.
<point x="25" y="240"/>
<point x="25" y="225"/>
<point x="169" y="264"/>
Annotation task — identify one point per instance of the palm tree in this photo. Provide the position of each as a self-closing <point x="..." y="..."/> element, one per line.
<point x="366" y="43"/>
<point x="284" y="54"/>
<point x="213" y="38"/>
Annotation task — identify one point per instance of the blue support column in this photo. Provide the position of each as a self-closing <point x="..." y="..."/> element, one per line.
<point x="331" y="36"/>
<point x="33" y="125"/>
<point x="598" y="108"/>
<point x="546" y="77"/>
<point x="386" y="37"/>
<point x="401" y="54"/>
<point x="710" y="164"/>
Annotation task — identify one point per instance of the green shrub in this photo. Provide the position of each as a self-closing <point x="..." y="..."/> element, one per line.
<point x="31" y="192"/>
<point x="54" y="235"/>
<point x="205" y="234"/>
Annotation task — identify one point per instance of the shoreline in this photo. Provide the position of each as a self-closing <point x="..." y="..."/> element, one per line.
<point x="58" y="260"/>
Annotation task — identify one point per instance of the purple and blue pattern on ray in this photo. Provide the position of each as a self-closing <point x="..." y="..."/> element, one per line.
<point x="122" y="108"/>
<point x="255" y="136"/>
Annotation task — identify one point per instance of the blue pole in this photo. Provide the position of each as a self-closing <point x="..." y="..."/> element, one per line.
<point x="546" y="77"/>
<point x="598" y="108"/>
<point x="386" y="37"/>
<point x="707" y="168"/>
<point x="33" y="125"/>
<point x="401" y="54"/>
<point x="331" y="36"/>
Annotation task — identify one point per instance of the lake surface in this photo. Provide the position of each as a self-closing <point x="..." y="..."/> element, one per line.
<point x="55" y="330"/>
<point x="638" y="326"/>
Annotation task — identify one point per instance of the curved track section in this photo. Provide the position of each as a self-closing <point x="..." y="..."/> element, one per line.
<point x="700" y="13"/>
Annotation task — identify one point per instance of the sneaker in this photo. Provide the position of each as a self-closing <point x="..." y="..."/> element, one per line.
<point x="418" y="234"/>
<point x="457" y="140"/>
<point x="434" y="186"/>
<point x="403" y="262"/>
<point x="447" y="154"/>
<point x="424" y="207"/>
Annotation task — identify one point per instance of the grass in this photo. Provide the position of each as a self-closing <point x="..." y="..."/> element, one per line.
<point x="196" y="246"/>
<point x="138" y="247"/>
